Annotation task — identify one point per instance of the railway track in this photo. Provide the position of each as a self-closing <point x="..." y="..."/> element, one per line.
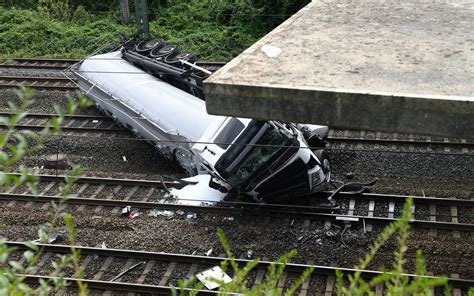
<point x="64" y="64"/>
<point x="38" y="63"/>
<point x="347" y="139"/>
<point x="365" y="208"/>
<point x="73" y="123"/>
<point x="99" y="123"/>
<point x="152" y="272"/>
<point x="40" y="83"/>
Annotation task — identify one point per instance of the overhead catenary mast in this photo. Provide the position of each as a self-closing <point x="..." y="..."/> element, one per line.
<point x="141" y="10"/>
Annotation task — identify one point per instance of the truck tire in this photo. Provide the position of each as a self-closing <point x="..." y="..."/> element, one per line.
<point x="323" y="157"/>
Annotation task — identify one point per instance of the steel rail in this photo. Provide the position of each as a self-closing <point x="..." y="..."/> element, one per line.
<point x="108" y="181"/>
<point x="70" y="128"/>
<point x="253" y="209"/>
<point x="49" y="115"/>
<point x="211" y="261"/>
<point x="38" y="63"/>
<point x="401" y="198"/>
<point x="113" y="286"/>
<point x="29" y="81"/>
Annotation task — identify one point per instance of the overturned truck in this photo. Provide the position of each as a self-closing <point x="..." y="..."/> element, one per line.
<point x="155" y="90"/>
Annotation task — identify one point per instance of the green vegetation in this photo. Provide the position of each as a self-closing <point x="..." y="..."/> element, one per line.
<point x="216" y="29"/>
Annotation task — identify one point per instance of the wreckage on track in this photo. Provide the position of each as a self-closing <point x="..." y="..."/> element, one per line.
<point x="155" y="90"/>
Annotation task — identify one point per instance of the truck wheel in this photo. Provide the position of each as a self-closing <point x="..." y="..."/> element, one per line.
<point x="325" y="160"/>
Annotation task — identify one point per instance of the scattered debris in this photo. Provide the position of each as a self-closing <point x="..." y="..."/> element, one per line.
<point x="126" y="211"/>
<point x="249" y="254"/>
<point x="158" y="212"/>
<point x="228" y="219"/>
<point x="58" y="237"/>
<point x="211" y="277"/>
<point x="125" y="271"/>
<point x="95" y="121"/>
<point x="179" y="212"/>
<point x="103" y="246"/>
<point x="292" y="221"/>
<point x="124" y="158"/>
<point x="209" y="252"/>
<point x="136" y="215"/>
<point x="350" y="175"/>
<point x="191" y="216"/>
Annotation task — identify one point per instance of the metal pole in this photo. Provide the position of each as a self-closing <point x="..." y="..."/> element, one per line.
<point x="141" y="9"/>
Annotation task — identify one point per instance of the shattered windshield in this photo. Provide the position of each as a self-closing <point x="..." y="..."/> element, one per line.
<point x="257" y="156"/>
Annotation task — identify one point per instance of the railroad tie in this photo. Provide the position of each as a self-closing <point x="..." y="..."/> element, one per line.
<point x="116" y="190"/>
<point x="432" y="291"/>
<point x="149" y="193"/>
<point x="464" y="150"/>
<point x="379" y="290"/>
<point x="350" y="212"/>
<point x="377" y="138"/>
<point x="456" y="291"/>
<point x="282" y="281"/>
<point x="167" y="274"/>
<point x="192" y="270"/>
<point x="42" y="262"/>
<point x="446" y="149"/>
<point x="45" y="190"/>
<point x="330" y="281"/>
<point x="127" y="265"/>
<point x="260" y="274"/>
<point x="411" y="138"/>
<point x="146" y="271"/>
<point x="454" y="219"/>
<point x="391" y="209"/>
<point x="394" y="138"/>
<point x="433" y="231"/>
<point x="129" y="195"/>
<point x="103" y="268"/>
<point x="305" y="284"/>
<point x="94" y="195"/>
<point x="78" y="193"/>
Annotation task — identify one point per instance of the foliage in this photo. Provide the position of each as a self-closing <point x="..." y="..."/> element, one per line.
<point x="14" y="146"/>
<point x="217" y="30"/>
<point x="395" y="281"/>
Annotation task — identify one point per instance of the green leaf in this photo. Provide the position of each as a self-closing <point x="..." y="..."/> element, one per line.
<point x="29" y="256"/>
<point x="16" y="265"/>
<point x="3" y="158"/>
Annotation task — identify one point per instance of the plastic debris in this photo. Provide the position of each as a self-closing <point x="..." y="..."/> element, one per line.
<point x="126" y="211"/>
<point x="249" y="254"/>
<point x="350" y="175"/>
<point x="164" y="213"/>
<point x="124" y="158"/>
<point x="228" y="219"/>
<point x="95" y="121"/>
<point x="212" y="276"/>
<point x="103" y="246"/>
<point x="209" y="252"/>
<point x="136" y="215"/>
<point x="179" y="212"/>
<point x="191" y="216"/>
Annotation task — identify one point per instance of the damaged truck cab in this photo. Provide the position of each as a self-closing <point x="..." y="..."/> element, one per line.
<point x="261" y="159"/>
